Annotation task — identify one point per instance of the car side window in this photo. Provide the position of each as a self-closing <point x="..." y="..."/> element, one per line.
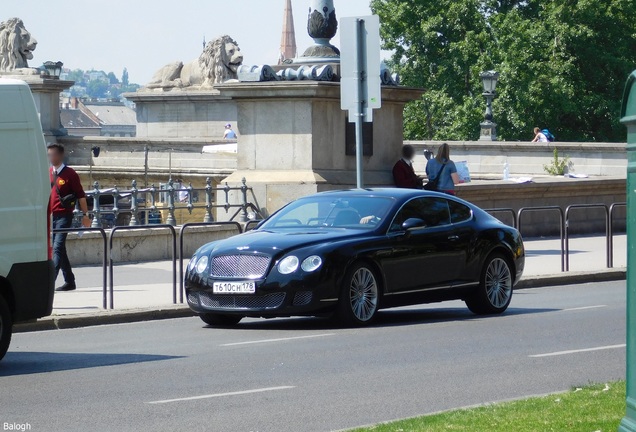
<point x="433" y="211"/>
<point x="459" y="212"/>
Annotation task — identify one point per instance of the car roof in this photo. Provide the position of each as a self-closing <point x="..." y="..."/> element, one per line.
<point x="396" y="193"/>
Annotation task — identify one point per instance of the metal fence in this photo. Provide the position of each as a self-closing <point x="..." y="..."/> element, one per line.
<point x="565" y="225"/>
<point x="143" y="206"/>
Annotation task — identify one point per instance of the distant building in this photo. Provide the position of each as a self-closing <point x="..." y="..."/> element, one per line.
<point x="78" y="120"/>
<point x="117" y="119"/>
<point x="98" y="118"/>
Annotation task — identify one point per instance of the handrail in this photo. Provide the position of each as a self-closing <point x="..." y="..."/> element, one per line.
<point x="561" y="225"/>
<point x="611" y="231"/>
<point x="143" y="227"/>
<point x="505" y="210"/>
<point x="173" y="199"/>
<point x="181" y="235"/>
<point x="104" y="257"/>
<point x="567" y="230"/>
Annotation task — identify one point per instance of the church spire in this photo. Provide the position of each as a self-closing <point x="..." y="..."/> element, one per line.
<point x="288" y="40"/>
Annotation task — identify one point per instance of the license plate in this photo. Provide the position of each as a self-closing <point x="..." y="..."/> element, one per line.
<point x="234" y="288"/>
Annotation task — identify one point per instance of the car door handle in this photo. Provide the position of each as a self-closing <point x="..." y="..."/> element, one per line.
<point x="453" y="238"/>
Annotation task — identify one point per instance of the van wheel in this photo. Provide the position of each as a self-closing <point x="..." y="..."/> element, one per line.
<point x="6" y="327"/>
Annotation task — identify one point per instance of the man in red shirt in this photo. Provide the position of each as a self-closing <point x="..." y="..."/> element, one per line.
<point x="66" y="189"/>
<point x="403" y="173"/>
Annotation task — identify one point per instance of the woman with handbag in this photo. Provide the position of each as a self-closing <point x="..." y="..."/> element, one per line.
<point x="441" y="172"/>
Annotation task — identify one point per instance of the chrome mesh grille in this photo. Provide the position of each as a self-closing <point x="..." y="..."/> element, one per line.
<point x="239" y="266"/>
<point x="264" y="302"/>
<point x="302" y="298"/>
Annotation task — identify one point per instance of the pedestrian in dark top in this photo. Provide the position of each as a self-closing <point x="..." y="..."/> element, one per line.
<point x="403" y="173"/>
<point x="441" y="166"/>
<point x="66" y="190"/>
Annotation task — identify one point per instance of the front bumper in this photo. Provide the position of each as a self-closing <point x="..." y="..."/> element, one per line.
<point x="273" y="298"/>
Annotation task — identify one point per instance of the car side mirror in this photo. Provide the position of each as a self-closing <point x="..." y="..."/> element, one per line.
<point x="413" y="223"/>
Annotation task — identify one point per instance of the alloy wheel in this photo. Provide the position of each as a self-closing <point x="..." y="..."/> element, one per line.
<point x="363" y="294"/>
<point x="498" y="282"/>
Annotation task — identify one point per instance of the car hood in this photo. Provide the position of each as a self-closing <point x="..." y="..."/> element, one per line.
<point x="276" y="242"/>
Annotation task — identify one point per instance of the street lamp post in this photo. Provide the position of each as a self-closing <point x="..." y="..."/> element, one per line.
<point x="488" y="127"/>
<point x="628" y="114"/>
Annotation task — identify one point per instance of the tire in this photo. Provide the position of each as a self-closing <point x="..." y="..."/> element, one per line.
<point x="494" y="293"/>
<point x="6" y="327"/>
<point x="220" y="320"/>
<point x="359" y="297"/>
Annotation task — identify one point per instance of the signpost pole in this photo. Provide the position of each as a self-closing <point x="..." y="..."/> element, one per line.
<point x="360" y="99"/>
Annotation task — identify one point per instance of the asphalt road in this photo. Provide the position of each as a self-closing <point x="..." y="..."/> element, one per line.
<point x="305" y="375"/>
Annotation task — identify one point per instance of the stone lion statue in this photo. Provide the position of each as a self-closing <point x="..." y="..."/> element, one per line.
<point x="16" y="45"/>
<point x="218" y="63"/>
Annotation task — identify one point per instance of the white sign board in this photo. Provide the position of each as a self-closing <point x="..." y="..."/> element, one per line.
<point x="360" y="66"/>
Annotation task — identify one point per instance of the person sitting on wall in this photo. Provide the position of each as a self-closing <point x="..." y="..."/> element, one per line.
<point x="229" y="132"/>
<point x="403" y="173"/>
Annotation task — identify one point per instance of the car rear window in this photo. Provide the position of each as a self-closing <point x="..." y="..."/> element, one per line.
<point x="459" y="212"/>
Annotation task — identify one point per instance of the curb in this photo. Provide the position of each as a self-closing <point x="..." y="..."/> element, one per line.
<point x="571" y="278"/>
<point x="60" y="322"/>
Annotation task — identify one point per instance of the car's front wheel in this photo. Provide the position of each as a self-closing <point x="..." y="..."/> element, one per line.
<point x="6" y="327"/>
<point x="495" y="288"/>
<point x="359" y="297"/>
<point x="220" y="320"/>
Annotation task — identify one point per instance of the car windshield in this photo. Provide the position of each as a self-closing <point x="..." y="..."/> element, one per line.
<point x="343" y="212"/>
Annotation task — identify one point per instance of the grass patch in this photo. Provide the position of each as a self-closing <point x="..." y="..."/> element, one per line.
<point x="597" y="408"/>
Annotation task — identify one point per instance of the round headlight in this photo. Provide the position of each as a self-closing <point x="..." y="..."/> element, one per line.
<point x="288" y="265"/>
<point x="202" y="264"/>
<point x="311" y="264"/>
<point x="192" y="263"/>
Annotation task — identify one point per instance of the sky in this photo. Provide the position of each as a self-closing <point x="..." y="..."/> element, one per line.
<point x="144" y="35"/>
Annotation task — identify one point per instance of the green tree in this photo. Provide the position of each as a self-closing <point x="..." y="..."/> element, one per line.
<point x="562" y="64"/>
<point x="112" y="78"/>
<point x="97" y="89"/>
<point x="124" y="77"/>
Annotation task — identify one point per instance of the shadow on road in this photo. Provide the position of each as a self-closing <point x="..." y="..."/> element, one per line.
<point x="385" y="318"/>
<point x="27" y="363"/>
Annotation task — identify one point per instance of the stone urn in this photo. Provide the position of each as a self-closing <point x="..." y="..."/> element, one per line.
<point x="322" y="25"/>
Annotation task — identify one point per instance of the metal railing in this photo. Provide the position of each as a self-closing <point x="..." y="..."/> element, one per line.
<point x="561" y="225"/>
<point x="610" y="247"/>
<point x="182" y="232"/>
<point x="141" y="227"/>
<point x="567" y="230"/>
<point x="136" y="202"/>
<point x="565" y="226"/>
<point x="509" y="211"/>
<point x="102" y="232"/>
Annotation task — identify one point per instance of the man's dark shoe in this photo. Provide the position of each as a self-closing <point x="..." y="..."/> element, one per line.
<point x="66" y="287"/>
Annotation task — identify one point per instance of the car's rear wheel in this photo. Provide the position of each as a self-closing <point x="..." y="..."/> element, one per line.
<point x="220" y="320"/>
<point x="359" y="297"/>
<point x="6" y="327"/>
<point x="494" y="293"/>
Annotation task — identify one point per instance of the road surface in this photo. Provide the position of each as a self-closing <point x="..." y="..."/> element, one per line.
<point x="307" y="375"/>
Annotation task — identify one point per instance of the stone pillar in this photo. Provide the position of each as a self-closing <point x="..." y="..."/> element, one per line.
<point x="46" y="93"/>
<point x="293" y="139"/>
<point x="322" y="26"/>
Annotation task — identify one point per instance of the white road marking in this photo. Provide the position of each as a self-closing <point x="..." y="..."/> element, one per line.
<point x="583" y="308"/>
<point x="218" y="395"/>
<point x="277" y="340"/>
<point x="560" y="353"/>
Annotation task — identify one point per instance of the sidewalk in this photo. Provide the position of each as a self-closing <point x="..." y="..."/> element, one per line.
<point x="149" y="285"/>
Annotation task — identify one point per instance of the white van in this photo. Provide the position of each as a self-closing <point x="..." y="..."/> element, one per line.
<point x="26" y="269"/>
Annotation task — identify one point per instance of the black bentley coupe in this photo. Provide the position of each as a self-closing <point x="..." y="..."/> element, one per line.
<point x="350" y="253"/>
